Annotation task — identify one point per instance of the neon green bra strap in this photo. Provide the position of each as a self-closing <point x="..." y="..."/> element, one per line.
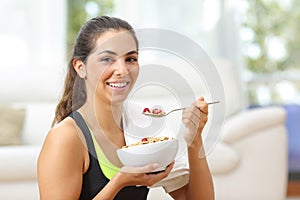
<point x="108" y="169"/>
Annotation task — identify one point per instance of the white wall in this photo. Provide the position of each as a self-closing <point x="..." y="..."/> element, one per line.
<point x="32" y="49"/>
<point x="197" y="20"/>
<point x="184" y="17"/>
<point x="213" y="24"/>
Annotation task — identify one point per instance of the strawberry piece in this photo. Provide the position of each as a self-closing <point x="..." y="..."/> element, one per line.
<point x="144" y="140"/>
<point x="146" y="110"/>
<point x="156" y="111"/>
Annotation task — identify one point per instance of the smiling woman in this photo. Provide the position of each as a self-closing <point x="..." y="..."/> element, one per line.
<point x="79" y="157"/>
<point x="101" y="74"/>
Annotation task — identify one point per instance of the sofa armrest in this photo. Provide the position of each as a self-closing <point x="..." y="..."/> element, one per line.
<point x="222" y="159"/>
<point x="18" y="163"/>
<point x="252" y="121"/>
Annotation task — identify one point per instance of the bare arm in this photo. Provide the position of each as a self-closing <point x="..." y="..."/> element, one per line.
<point x="61" y="164"/>
<point x="64" y="159"/>
<point x="131" y="176"/>
<point x="200" y="184"/>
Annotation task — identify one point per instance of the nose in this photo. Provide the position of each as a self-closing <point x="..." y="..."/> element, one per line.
<point x="121" y="68"/>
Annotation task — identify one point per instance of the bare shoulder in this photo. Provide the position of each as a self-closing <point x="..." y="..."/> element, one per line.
<point x="65" y="132"/>
<point x="63" y="143"/>
<point x="61" y="162"/>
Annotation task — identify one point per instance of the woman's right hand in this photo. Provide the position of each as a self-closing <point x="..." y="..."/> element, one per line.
<point x="130" y="176"/>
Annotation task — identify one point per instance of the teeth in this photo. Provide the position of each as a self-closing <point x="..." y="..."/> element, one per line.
<point x="117" y="85"/>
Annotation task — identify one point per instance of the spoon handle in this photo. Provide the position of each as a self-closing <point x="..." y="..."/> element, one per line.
<point x="176" y="110"/>
<point x="213" y="102"/>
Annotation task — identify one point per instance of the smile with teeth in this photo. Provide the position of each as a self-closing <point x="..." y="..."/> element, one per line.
<point x="118" y="85"/>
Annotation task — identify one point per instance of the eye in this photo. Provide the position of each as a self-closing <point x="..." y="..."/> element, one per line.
<point x="131" y="59"/>
<point x="107" y="59"/>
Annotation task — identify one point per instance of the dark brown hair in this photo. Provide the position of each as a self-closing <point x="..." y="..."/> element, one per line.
<point x="74" y="93"/>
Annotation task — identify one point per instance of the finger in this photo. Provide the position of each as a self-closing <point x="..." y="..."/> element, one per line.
<point x="144" y="169"/>
<point x="203" y="114"/>
<point x="191" y="118"/>
<point x="167" y="170"/>
<point x="202" y="106"/>
<point x="201" y="98"/>
<point x="190" y="122"/>
<point x="192" y="110"/>
<point x="200" y="117"/>
<point x="155" y="177"/>
<point x="170" y="166"/>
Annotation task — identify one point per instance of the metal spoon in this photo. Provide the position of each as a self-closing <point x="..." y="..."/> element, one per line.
<point x="163" y="114"/>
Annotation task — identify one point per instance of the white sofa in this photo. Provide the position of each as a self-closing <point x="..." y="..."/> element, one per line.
<point x="249" y="161"/>
<point x="18" y="179"/>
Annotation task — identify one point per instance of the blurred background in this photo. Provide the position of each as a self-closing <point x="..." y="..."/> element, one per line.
<point x="259" y="37"/>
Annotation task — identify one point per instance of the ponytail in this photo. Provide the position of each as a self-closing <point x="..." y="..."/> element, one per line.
<point x="74" y="95"/>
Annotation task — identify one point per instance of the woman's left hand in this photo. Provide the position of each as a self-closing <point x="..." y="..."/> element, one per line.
<point x="194" y="119"/>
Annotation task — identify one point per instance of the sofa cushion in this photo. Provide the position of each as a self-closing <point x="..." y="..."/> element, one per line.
<point x="38" y="119"/>
<point x="11" y="123"/>
<point x="251" y="122"/>
<point x="18" y="163"/>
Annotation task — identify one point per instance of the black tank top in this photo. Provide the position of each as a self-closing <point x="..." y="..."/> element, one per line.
<point x="94" y="179"/>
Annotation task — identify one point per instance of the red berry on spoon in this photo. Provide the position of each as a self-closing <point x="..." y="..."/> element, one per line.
<point x="146" y="110"/>
<point x="156" y="111"/>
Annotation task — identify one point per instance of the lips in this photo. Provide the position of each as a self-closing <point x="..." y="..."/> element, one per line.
<point x="118" y="85"/>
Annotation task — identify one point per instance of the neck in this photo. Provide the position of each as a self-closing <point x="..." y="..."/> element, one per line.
<point x="105" y="121"/>
<point x="103" y="116"/>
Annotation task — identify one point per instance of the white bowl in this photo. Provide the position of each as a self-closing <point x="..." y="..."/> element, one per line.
<point x="162" y="153"/>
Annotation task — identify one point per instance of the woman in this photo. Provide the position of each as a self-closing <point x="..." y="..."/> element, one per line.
<point x="88" y="125"/>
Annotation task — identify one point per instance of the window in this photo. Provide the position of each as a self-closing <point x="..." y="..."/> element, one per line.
<point x="32" y="41"/>
<point x="81" y="10"/>
<point x="271" y="48"/>
<point x="14" y="33"/>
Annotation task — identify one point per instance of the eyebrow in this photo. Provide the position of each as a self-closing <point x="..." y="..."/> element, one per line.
<point x="114" y="53"/>
<point x="132" y="52"/>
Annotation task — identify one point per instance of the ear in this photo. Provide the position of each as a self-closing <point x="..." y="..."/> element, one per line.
<point x="80" y="68"/>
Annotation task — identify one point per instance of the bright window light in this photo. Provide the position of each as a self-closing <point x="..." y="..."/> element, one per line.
<point x="286" y="90"/>
<point x="252" y="51"/>
<point x="276" y="49"/>
<point x="247" y="34"/>
<point x="13" y="47"/>
<point x="263" y="94"/>
<point x="92" y="8"/>
<point x="211" y="14"/>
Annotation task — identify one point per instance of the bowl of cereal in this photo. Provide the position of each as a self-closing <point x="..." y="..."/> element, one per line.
<point x="160" y="150"/>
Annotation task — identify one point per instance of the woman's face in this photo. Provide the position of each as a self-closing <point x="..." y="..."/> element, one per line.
<point x="112" y="67"/>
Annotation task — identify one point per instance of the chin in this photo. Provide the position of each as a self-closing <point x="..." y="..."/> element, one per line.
<point x="118" y="98"/>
